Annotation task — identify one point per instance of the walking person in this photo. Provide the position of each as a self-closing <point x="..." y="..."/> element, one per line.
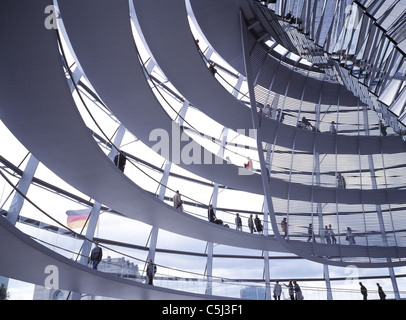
<point x="298" y="291"/>
<point x="364" y="291"/>
<point x="341" y="181"/>
<point x="258" y="224"/>
<point x="307" y="123"/>
<point x="332" y="234"/>
<point x="120" y="160"/>
<point x="260" y="115"/>
<point x="281" y="116"/>
<point x="333" y="129"/>
<point x="284" y="227"/>
<point x="381" y="293"/>
<point x="350" y="236"/>
<point x="210" y="214"/>
<point x="151" y="270"/>
<point x="177" y="201"/>
<point x="251" y="224"/>
<point x="238" y="223"/>
<point x="383" y="128"/>
<point x="249" y="164"/>
<point x="310" y="233"/>
<point x="96" y="255"/>
<point x="327" y="235"/>
<point x="277" y="290"/>
<point x="291" y="290"/>
<point x="212" y="68"/>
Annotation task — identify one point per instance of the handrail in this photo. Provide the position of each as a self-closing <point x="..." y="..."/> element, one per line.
<point x="224" y="281"/>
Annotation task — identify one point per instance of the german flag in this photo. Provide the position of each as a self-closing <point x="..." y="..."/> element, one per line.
<point x="77" y="218"/>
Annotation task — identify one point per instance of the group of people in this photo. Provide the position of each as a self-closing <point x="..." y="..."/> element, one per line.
<point x="295" y="293"/>
<point x="294" y="290"/>
<point x="364" y="292"/>
<point x="327" y="234"/>
<point x="292" y="19"/>
<point x="305" y="124"/>
<point x="253" y="224"/>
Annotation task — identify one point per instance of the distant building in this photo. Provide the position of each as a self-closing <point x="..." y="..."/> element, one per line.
<point x="252" y="293"/>
<point x="117" y="266"/>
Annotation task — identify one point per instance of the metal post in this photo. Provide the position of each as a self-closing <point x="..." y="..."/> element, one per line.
<point x="316" y="156"/>
<point x="326" y="275"/>
<point x="237" y="87"/>
<point x="162" y="189"/>
<point x="254" y="117"/>
<point x="209" y="265"/>
<point x="87" y="245"/>
<point x="161" y="196"/>
<point x="209" y="269"/>
<point x="182" y="112"/>
<point x="319" y="206"/>
<point x="378" y="207"/>
<point x="90" y="231"/>
<point x="266" y="255"/>
<point x="24" y="184"/>
<point x="18" y="200"/>
<point x="209" y="52"/>
<point x="95" y="213"/>
<point x="117" y="141"/>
